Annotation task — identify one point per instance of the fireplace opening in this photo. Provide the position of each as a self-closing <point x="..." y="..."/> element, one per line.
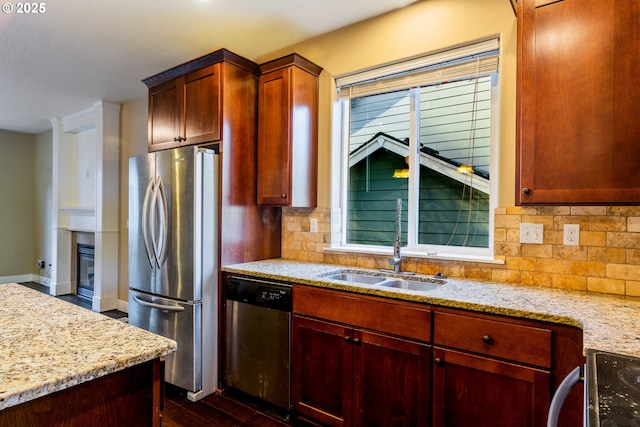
<point x="84" y="274"/>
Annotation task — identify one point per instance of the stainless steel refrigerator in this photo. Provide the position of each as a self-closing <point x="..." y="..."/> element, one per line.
<point x="173" y="260"/>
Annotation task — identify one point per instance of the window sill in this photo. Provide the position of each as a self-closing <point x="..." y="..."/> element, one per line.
<point x="370" y="250"/>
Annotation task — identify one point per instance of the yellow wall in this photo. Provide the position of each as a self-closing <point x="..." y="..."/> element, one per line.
<point x="426" y="26"/>
<point x="17" y="216"/>
<point x="608" y="258"/>
<point x="133" y="128"/>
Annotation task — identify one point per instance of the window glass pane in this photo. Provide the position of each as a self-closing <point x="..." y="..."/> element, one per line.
<point x="454" y="160"/>
<point x="378" y="148"/>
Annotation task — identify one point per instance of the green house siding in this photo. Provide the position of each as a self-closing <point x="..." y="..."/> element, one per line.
<point x="445" y="217"/>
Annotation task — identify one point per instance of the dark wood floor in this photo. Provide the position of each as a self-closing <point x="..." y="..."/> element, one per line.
<point x="227" y="410"/>
<point x="214" y="410"/>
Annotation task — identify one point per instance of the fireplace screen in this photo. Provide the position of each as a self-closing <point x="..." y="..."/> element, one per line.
<point x="84" y="275"/>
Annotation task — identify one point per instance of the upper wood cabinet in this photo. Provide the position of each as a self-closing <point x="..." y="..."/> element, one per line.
<point x="288" y="132"/>
<point x="212" y="101"/>
<point x="577" y="101"/>
<point x="185" y="103"/>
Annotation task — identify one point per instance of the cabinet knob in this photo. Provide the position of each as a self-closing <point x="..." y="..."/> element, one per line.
<point x="487" y="339"/>
<point x="283" y="196"/>
<point x="438" y="361"/>
<point x="347" y="339"/>
<point x="356" y="341"/>
<point x="526" y="190"/>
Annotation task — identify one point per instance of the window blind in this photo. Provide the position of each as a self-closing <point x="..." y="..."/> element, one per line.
<point x="473" y="60"/>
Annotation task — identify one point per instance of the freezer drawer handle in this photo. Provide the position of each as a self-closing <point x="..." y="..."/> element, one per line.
<point x="160" y="306"/>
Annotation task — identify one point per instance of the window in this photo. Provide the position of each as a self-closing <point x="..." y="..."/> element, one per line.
<point x="419" y="134"/>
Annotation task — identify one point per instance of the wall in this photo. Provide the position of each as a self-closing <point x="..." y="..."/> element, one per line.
<point x="424" y="27"/>
<point x="17" y="209"/>
<point x="133" y="142"/>
<point x="43" y="199"/>
<point x="606" y="261"/>
<point x="608" y="258"/>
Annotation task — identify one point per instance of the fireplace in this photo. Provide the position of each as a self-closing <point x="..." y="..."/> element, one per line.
<point x="84" y="272"/>
<point x="85" y="203"/>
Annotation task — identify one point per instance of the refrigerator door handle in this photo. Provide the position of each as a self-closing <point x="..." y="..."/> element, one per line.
<point x="159" y="306"/>
<point x="159" y="230"/>
<point x="145" y="221"/>
<point x="161" y="256"/>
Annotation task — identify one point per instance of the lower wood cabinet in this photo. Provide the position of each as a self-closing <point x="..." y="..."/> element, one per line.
<point x="346" y="376"/>
<point x="472" y="390"/>
<point x="490" y="372"/>
<point x="360" y="360"/>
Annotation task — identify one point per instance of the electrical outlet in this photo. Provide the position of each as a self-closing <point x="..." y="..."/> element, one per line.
<point x="571" y="234"/>
<point x="313" y="225"/>
<point x="531" y="233"/>
<point x="40" y="263"/>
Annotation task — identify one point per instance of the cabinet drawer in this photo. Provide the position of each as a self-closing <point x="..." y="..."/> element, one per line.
<point x="524" y="344"/>
<point x="393" y="317"/>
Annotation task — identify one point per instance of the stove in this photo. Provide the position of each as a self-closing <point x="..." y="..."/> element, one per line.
<point x="613" y="390"/>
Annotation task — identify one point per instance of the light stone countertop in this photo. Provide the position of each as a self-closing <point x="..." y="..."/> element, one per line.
<point x="609" y="323"/>
<point x="47" y="345"/>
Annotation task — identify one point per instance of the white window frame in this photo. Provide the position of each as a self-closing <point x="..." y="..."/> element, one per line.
<point x="341" y="158"/>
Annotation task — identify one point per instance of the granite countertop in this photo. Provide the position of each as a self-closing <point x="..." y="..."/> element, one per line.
<point x="47" y="345"/>
<point x="609" y="323"/>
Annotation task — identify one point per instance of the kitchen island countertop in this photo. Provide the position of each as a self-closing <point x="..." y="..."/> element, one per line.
<point x="47" y="345"/>
<point x="608" y="322"/>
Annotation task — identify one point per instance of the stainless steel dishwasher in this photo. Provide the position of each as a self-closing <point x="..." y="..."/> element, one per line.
<point x="258" y="338"/>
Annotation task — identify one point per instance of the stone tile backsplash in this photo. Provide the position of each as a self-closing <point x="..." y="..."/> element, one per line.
<point x="606" y="261"/>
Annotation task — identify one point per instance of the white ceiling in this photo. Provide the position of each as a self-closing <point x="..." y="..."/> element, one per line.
<point x="79" y="51"/>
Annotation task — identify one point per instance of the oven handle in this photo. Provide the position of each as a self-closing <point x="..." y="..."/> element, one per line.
<point x="160" y="306"/>
<point x="562" y="392"/>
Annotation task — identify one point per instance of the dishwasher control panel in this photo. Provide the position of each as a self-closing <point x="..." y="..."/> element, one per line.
<point x="258" y="292"/>
<point x="270" y="294"/>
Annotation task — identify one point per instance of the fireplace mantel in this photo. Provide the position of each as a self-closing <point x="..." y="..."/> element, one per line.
<point x="81" y="219"/>
<point x="85" y="171"/>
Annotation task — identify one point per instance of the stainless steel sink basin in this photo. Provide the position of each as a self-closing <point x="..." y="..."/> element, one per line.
<point x="386" y="280"/>
<point x="357" y="278"/>
<point x="412" y="285"/>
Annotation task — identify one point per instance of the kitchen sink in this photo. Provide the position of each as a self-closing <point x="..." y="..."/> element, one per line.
<point x="412" y="285"/>
<point x="387" y="280"/>
<point x="365" y="279"/>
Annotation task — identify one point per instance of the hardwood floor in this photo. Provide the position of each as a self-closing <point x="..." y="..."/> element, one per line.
<point x="213" y="410"/>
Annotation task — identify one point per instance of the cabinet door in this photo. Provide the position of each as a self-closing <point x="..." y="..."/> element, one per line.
<point x="202" y="106"/>
<point x="471" y="390"/>
<point x="322" y="371"/>
<point x="391" y="381"/>
<point x="274" y="138"/>
<point x="578" y="99"/>
<point x="165" y="114"/>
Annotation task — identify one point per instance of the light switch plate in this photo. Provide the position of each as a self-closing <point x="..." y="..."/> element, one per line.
<point x="531" y="233"/>
<point x="313" y="225"/>
<point x="571" y="234"/>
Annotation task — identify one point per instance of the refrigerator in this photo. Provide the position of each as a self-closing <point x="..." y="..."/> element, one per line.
<point x="173" y="269"/>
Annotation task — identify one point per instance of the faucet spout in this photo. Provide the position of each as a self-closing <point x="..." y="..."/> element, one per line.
<point x="396" y="261"/>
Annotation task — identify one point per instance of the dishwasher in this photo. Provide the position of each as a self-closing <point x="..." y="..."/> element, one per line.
<point x="258" y="338"/>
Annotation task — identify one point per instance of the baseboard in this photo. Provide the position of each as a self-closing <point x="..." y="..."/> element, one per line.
<point x="123" y="306"/>
<point x="21" y="278"/>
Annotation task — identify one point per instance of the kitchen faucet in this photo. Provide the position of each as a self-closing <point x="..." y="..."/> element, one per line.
<point x="396" y="261"/>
